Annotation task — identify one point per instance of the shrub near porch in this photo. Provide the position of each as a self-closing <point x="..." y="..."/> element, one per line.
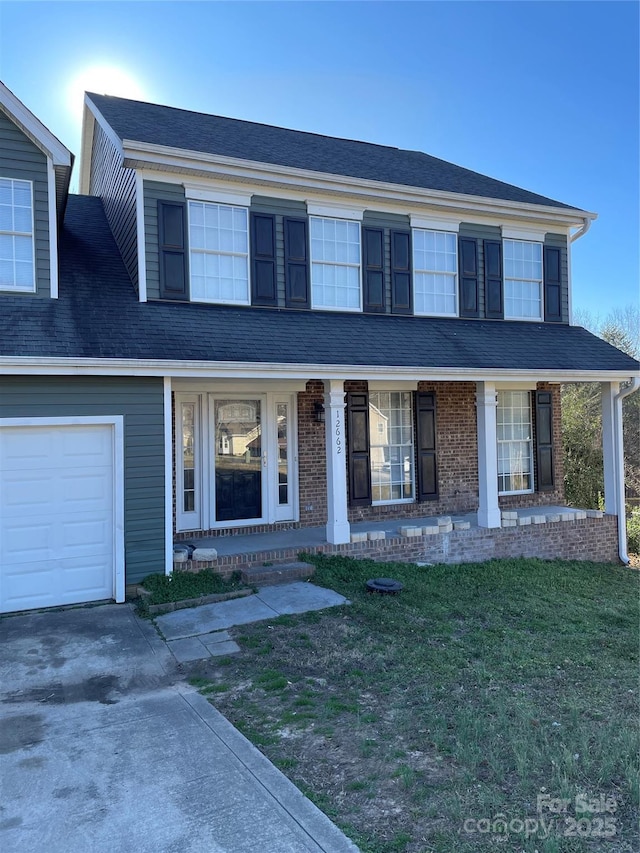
<point x="472" y="692"/>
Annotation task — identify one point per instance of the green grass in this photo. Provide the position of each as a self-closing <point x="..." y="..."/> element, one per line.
<point x="179" y="586"/>
<point x="467" y="695"/>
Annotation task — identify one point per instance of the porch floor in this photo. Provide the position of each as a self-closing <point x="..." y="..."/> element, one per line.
<point x="308" y="537"/>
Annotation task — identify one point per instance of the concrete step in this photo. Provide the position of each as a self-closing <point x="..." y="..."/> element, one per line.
<point x="270" y="575"/>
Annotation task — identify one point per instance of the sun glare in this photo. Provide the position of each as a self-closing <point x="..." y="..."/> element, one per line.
<point x="103" y="80"/>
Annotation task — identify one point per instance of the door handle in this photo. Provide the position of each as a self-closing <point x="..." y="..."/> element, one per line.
<point x="264" y="458"/>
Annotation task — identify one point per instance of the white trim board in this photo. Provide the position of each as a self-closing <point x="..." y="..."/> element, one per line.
<point x="56" y="366"/>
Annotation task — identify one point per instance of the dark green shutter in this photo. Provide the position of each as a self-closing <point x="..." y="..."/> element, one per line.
<point x="373" y="270"/>
<point x="552" y="285"/>
<point x="544" y="441"/>
<point x="358" y="457"/>
<point x="468" y="260"/>
<point x="296" y="263"/>
<point x="493" y="287"/>
<point x="426" y="446"/>
<point x="401" y="290"/>
<point x="263" y="259"/>
<point x="172" y="248"/>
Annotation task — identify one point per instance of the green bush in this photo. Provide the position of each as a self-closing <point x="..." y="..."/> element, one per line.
<point x="633" y="531"/>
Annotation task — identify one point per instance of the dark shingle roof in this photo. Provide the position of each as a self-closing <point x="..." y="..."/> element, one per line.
<point x="158" y="125"/>
<point x="98" y="316"/>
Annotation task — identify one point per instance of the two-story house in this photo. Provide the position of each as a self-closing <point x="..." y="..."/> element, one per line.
<point x="253" y="329"/>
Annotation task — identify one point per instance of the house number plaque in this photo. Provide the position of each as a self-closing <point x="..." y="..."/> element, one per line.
<point x="338" y="434"/>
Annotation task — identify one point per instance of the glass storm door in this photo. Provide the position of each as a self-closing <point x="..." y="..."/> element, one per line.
<point x="239" y="459"/>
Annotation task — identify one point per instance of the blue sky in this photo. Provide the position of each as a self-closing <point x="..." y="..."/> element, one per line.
<point x="544" y="95"/>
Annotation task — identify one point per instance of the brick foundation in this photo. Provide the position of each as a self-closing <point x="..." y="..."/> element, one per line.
<point x="594" y="539"/>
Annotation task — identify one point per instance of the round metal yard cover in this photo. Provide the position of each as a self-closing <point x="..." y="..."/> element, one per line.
<point x="384" y="586"/>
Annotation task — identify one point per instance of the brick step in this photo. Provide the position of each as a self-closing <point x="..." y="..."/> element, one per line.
<point x="270" y="575"/>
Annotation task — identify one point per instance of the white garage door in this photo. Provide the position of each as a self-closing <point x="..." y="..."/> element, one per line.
<point x="57" y="517"/>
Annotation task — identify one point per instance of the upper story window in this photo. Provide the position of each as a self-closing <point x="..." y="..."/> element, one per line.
<point x="335" y="263"/>
<point x="17" y="266"/>
<point x="435" y="272"/>
<point x="522" y="280"/>
<point x="219" y="252"/>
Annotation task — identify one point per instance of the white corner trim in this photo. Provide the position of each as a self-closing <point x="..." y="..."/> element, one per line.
<point x="53" y="231"/>
<point x="530" y="234"/>
<point x="140" y="238"/>
<point x="200" y="192"/>
<point x="337" y="211"/>
<point x="435" y="224"/>
<point x="168" y="477"/>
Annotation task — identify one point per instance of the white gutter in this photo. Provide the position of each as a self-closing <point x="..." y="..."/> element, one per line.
<point x="60" y="366"/>
<point x="619" y="464"/>
<point x="586" y="224"/>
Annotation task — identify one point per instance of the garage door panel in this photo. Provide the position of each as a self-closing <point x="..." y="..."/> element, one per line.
<point x="57" y="517"/>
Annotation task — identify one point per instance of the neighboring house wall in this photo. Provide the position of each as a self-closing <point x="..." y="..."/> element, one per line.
<point x="140" y="401"/>
<point x="21" y="158"/>
<point x="116" y="186"/>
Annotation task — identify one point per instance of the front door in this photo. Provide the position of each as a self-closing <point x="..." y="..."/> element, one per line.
<point x="235" y="459"/>
<point x="238" y="458"/>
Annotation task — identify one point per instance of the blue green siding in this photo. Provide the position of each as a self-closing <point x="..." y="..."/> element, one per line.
<point x="116" y="186"/>
<point x="153" y="192"/>
<point x="140" y="401"/>
<point x="21" y="158"/>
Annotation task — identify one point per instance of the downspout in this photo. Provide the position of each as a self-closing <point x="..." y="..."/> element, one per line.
<point x="586" y="224"/>
<point x="619" y="463"/>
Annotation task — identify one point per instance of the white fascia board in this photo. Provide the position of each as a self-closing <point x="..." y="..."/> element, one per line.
<point x="53" y="230"/>
<point x="533" y="235"/>
<point x="336" y="211"/>
<point x="435" y="224"/>
<point x="33" y="127"/>
<point x="244" y="370"/>
<point x="141" y="155"/>
<point x="202" y="192"/>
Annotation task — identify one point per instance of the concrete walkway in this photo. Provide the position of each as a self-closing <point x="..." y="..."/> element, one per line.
<point x="103" y="748"/>
<point x="199" y="632"/>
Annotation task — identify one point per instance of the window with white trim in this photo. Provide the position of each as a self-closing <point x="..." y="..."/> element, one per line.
<point x="391" y="446"/>
<point x="435" y="272"/>
<point x="17" y="266"/>
<point x="522" y="280"/>
<point x="335" y="263"/>
<point x="219" y="252"/>
<point x="515" y="442"/>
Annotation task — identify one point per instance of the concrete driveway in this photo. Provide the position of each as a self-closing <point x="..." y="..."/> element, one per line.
<point x="104" y="748"/>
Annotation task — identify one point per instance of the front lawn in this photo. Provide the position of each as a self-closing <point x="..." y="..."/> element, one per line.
<point x="435" y="719"/>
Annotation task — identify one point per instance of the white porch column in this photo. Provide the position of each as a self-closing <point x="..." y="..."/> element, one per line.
<point x="610" y="447"/>
<point x="338" y="528"/>
<point x="487" y="404"/>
